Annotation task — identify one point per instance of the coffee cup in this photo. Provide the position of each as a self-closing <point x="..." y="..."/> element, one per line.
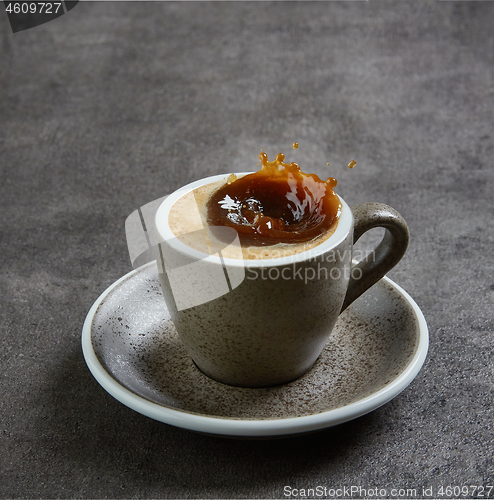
<point x="259" y="318"/>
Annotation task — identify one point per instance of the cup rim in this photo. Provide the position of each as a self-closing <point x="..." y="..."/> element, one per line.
<point x="344" y="223"/>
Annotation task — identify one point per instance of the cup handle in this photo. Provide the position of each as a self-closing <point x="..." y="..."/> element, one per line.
<point x="385" y="256"/>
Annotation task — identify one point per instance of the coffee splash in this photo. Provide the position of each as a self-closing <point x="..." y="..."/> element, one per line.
<point x="277" y="204"/>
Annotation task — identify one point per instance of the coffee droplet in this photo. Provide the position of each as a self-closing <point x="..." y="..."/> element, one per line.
<point x="352" y="164"/>
<point x="231" y="178"/>
<point x="295" y="145"/>
<point x="328" y="164"/>
<point x="277" y="204"/>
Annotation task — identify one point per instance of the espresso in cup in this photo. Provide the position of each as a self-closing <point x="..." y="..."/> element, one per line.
<point x="254" y="291"/>
<point x="277" y="211"/>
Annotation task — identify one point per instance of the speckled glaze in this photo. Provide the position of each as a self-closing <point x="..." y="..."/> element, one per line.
<point x="131" y="345"/>
<point x="387" y="254"/>
<point x="271" y="328"/>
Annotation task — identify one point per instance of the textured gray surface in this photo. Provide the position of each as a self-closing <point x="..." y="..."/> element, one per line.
<point x="114" y="105"/>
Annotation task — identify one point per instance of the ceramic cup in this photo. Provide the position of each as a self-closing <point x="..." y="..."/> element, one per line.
<point x="259" y="323"/>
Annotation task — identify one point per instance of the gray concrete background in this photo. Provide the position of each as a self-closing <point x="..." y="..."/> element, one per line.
<point x="116" y="104"/>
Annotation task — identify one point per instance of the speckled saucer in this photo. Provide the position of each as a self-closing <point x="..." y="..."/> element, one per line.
<point x="130" y="345"/>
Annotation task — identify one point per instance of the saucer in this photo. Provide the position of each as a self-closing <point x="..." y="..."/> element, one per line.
<point x="130" y="345"/>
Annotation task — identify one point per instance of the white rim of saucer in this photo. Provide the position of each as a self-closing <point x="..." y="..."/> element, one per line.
<point x="161" y="221"/>
<point x="254" y="428"/>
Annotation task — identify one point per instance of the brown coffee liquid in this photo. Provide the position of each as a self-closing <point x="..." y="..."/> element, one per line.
<point x="277" y="204"/>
